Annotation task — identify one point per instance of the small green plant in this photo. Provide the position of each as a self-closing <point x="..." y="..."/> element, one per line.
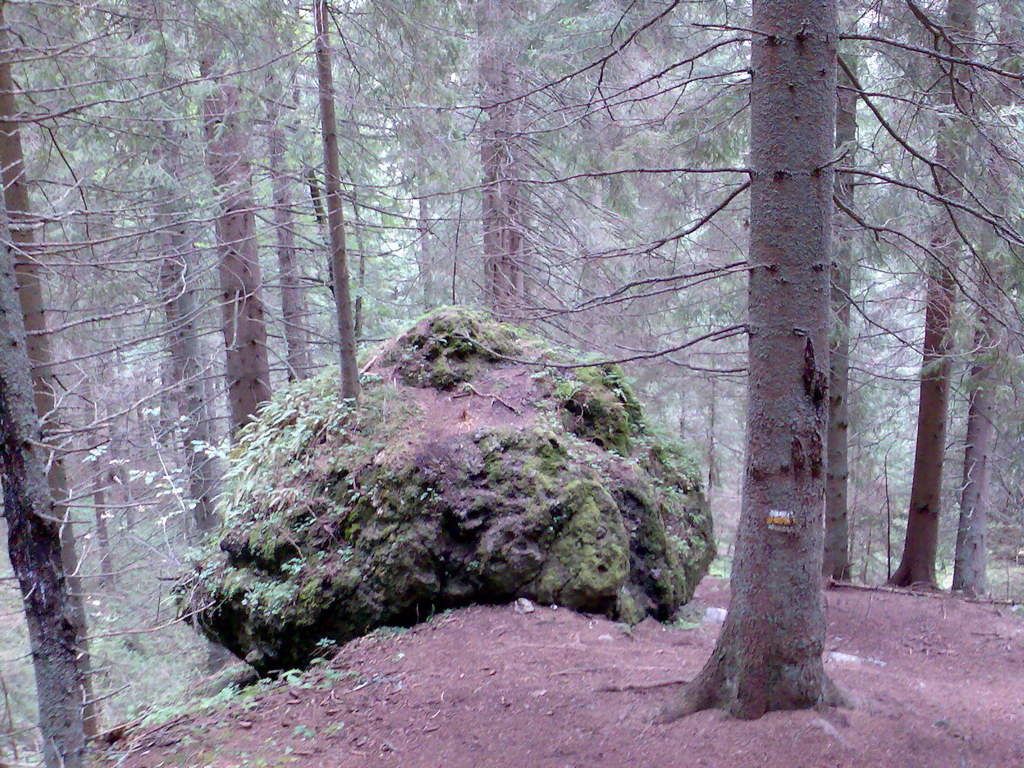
<point x="294" y="678"/>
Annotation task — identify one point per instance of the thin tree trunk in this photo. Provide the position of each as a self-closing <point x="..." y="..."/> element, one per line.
<point x="30" y="293"/>
<point x="187" y="368"/>
<point x="108" y="576"/>
<point x="118" y="447"/>
<point x="425" y="255"/>
<point x="427" y="262"/>
<point x="769" y="653"/>
<point x="502" y="239"/>
<point x="712" y="457"/>
<point x="98" y="473"/>
<point x="971" y="557"/>
<point x="335" y="213"/>
<point x="357" y="305"/>
<point x="837" y="533"/>
<point x="294" y="312"/>
<point x="867" y="554"/>
<point x="33" y="532"/>
<point x="917" y="566"/>
<point x="317" y="200"/>
<point x="245" y="333"/>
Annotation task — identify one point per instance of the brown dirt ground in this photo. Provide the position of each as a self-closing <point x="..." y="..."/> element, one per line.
<point x="488" y="686"/>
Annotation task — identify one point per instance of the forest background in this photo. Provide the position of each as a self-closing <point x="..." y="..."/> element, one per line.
<point x="578" y="167"/>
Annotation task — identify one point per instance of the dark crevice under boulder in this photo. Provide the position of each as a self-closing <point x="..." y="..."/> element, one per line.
<point x="463" y="476"/>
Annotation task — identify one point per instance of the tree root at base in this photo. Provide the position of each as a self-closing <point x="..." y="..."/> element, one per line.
<point x="713" y="688"/>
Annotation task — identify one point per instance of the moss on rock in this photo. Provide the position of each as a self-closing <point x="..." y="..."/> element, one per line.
<point x="462" y="477"/>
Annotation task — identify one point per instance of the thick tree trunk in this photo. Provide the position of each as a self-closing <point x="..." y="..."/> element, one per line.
<point x="917" y="565"/>
<point x="245" y="333"/>
<point x="33" y="536"/>
<point x="335" y="212"/>
<point x="78" y="615"/>
<point x="502" y="237"/>
<point x="837" y="531"/>
<point x="30" y="293"/>
<point x="769" y="654"/>
<point x="920" y="547"/>
<point x="293" y="293"/>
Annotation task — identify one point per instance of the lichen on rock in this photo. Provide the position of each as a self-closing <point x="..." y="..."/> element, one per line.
<point x="474" y="470"/>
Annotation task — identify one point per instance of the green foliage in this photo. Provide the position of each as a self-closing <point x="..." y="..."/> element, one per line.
<point x="305" y="431"/>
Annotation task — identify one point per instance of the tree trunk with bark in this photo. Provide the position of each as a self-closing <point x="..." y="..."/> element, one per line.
<point x="245" y="333"/>
<point x="709" y="438"/>
<point x="769" y="654"/>
<point x="108" y="574"/>
<point x="97" y="474"/>
<point x="187" y="366"/>
<point x="21" y="225"/>
<point x="426" y="256"/>
<point x="335" y="212"/>
<point x="295" y="314"/>
<point x="316" y="199"/>
<point x="837" y="530"/>
<point x="502" y="235"/>
<point x="971" y="557"/>
<point x="917" y="566"/>
<point x="33" y="536"/>
<point x="970" y="563"/>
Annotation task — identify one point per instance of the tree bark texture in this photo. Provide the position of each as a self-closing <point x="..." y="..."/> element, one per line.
<point x="294" y="311"/>
<point x="502" y="234"/>
<point x="769" y="654"/>
<point x="20" y="223"/>
<point x="970" y="562"/>
<point x="917" y="565"/>
<point x="33" y="537"/>
<point x="245" y="333"/>
<point x="335" y="212"/>
<point x="837" y="529"/>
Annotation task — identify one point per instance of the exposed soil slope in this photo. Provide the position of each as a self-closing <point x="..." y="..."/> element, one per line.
<point x="489" y="686"/>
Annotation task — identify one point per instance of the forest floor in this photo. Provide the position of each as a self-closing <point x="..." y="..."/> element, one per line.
<point x="936" y="683"/>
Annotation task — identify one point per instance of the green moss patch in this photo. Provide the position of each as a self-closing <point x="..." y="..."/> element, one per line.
<point x="463" y="476"/>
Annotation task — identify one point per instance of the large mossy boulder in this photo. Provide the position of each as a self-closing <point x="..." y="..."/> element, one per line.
<point x="474" y="470"/>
